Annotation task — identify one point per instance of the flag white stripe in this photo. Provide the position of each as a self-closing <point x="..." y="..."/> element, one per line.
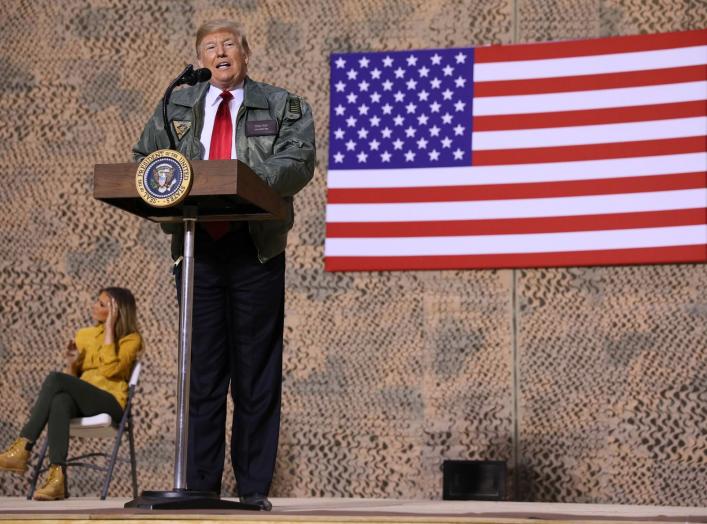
<point x="590" y="65"/>
<point x="520" y="173"/>
<point x="507" y="244"/>
<point x="518" y="208"/>
<point x="592" y="134"/>
<point x="595" y="99"/>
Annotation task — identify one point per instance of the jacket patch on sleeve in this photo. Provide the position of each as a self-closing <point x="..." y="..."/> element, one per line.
<point x="181" y="127"/>
<point x="294" y="108"/>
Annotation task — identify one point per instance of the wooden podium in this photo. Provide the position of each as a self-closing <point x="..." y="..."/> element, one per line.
<point x="222" y="190"/>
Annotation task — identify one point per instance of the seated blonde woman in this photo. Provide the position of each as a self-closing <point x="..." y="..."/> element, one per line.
<point x="98" y="365"/>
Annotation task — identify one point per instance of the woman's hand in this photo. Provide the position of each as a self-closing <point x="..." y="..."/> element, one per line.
<point x="111" y="319"/>
<point x="71" y="355"/>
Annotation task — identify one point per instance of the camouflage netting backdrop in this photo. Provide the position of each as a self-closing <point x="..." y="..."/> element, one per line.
<point x="590" y="382"/>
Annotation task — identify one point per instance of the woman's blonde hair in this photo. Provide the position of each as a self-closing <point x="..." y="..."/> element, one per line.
<point x="127" y="311"/>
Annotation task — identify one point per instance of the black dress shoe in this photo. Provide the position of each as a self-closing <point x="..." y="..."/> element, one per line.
<point x="257" y="500"/>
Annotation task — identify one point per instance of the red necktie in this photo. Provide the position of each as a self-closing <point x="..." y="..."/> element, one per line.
<point x="220" y="149"/>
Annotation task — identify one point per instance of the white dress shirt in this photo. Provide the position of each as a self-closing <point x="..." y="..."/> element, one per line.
<point x="213" y="100"/>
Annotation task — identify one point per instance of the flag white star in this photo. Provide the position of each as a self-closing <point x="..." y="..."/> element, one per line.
<point x="423" y="95"/>
<point x="387" y="62"/>
<point x="422" y="119"/>
<point x="387" y="85"/>
<point x="373" y="144"/>
<point x="446" y="142"/>
<point x="459" y="130"/>
<point x="338" y="158"/>
<point x="398" y="120"/>
<point x="436" y="59"/>
<point x="399" y="96"/>
<point x="435" y="83"/>
<point x="447" y="94"/>
<point x="410" y="131"/>
<point x="363" y="62"/>
<point x="412" y="60"/>
<point x="434" y="107"/>
<point x="375" y="121"/>
<point x="460" y="58"/>
<point x="459" y="106"/>
<point x="351" y="121"/>
<point x="434" y="154"/>
<point x="375" y="97"/>
<point x="410" y="108"/>
<point x="339" y="134"/>
<point x="423" y="72"/>
<point x="398" y="144"/>
<point x="363" y="133"/>
<point x="339" y="110"/>
<point x="446" y="118"/>
<point x="351" y="97"/>
<point x="422" y="143"/>
<point x="460" y="82"/>
<point x="399" y="72"/>
<point x="386" y="132"/>
<point x="362" y="156"/>
<point x="411" y="84"/>
<point x="363" y="109"/>
<point x="340" y="86"/>
<point x="385" y="156"/>
<point x="340" y="63"/>
<point x="448" y="70"/>
<point x="409" y="156"/>
<point x="458" y="154"/>
<point x="387" y="108"/>
<point x="363" y="86"/>
<point x="350" y="145"/>
<point x="352" y="74"/>
<point x="376" y="74"/>
<point x="434" y="131"/>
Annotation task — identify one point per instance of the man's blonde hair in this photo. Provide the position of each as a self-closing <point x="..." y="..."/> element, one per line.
<point x="222" y="25"/>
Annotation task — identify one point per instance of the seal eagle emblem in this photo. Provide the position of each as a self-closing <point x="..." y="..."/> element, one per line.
<point x="163" y="178"/>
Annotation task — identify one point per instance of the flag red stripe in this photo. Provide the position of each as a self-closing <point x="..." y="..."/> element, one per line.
<point x="671" y="146"/>
<point x="517" y="226"/>
<point x="600" y="46"/>
<point x="659" y="255"/>
<point x="638" y="184"/>
<point x="587" y="117"/>
<point x="565" y="84"/>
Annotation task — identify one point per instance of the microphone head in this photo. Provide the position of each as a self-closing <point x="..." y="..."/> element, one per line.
<point x="202" y="75"/>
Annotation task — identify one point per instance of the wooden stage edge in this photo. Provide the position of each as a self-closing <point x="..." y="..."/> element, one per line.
<point x="340" y="510"/>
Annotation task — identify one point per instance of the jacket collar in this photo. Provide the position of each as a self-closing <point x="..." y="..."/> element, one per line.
<point x="253" y="95"/>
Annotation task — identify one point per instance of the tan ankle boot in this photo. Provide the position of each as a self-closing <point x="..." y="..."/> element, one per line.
<point x="54" y="487"/>
<point x="16" y="456"/>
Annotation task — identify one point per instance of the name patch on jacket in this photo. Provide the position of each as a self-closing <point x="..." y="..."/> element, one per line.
<point x="260" y="127"/>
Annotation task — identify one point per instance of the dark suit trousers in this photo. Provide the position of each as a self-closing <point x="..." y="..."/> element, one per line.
<point x="237" y="328"/>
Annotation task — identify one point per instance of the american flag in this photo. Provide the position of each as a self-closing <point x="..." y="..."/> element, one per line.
<point x="557" y="154"/>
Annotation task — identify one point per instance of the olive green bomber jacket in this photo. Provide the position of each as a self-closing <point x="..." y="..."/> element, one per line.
<point x="285" y="161"/>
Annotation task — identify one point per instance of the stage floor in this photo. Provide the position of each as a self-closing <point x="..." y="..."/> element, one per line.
<point x="325" y="510"/>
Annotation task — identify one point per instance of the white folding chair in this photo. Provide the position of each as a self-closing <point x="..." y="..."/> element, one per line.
<point x="100" y="426"/>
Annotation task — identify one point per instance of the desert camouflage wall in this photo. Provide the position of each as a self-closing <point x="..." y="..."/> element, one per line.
<point x="590" y="382"/>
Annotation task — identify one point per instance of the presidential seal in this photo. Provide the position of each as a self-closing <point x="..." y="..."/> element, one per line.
<point x="163" y="178"/>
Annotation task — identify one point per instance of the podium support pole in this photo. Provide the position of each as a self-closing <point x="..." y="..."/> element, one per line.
<point x="181" y="497"/>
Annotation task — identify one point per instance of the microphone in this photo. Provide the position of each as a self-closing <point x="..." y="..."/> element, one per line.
<point x="193" y="76"/>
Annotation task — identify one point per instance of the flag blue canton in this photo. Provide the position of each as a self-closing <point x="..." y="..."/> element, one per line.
<point x="401" y="109"/>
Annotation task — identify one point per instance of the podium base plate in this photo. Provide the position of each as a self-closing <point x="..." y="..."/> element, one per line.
<point x="186" y="499"/>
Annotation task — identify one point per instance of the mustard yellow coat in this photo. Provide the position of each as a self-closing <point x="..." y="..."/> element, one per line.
<point x="104" y="365"/>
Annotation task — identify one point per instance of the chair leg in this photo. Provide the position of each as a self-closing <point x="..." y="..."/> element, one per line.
<point x="111" y="464"/>
<point x="133" y="461"/>
<point x="37" y="469"/>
